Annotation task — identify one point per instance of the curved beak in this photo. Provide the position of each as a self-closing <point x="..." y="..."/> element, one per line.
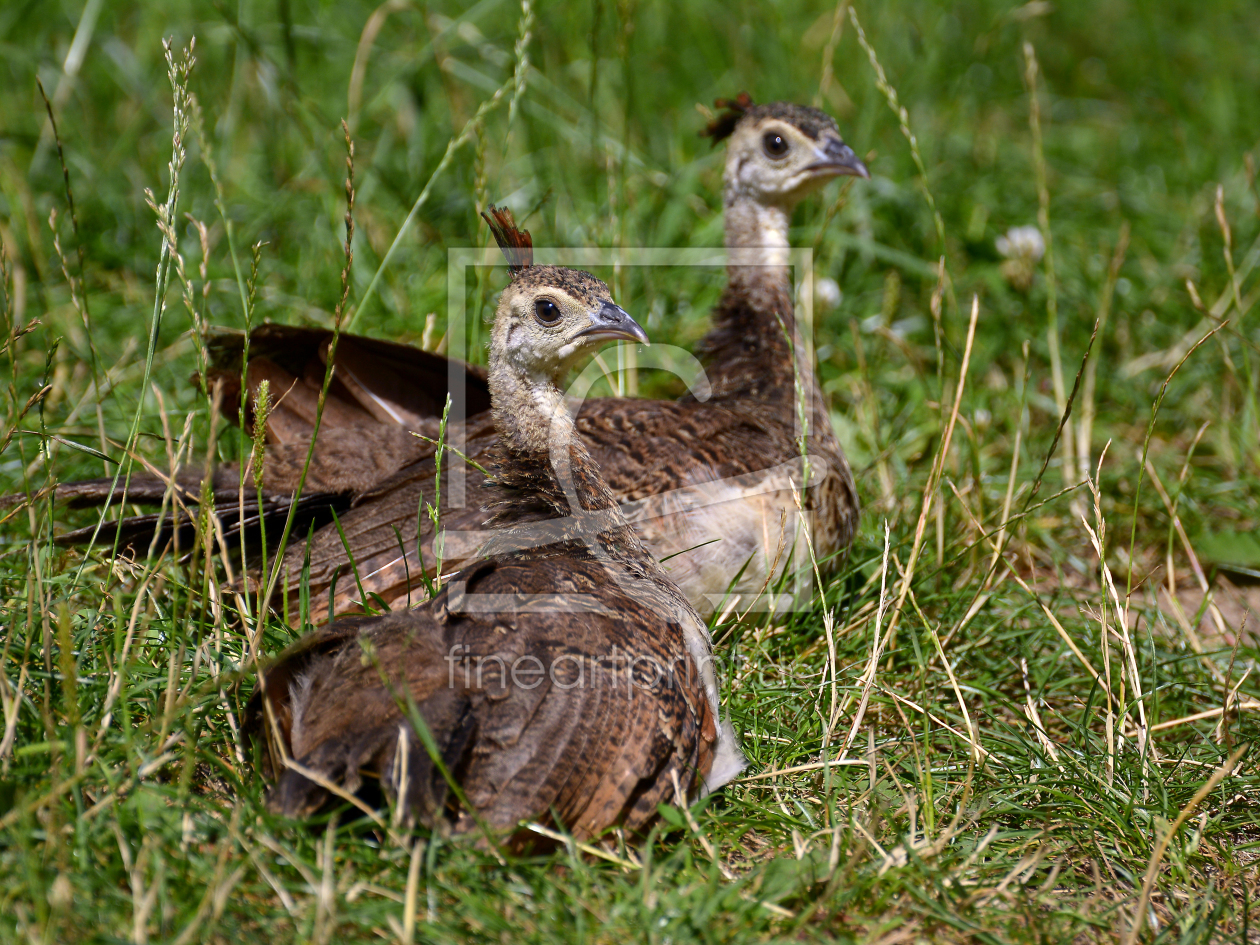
<point x="836" y="157"/>
<point x="611" y="322"/>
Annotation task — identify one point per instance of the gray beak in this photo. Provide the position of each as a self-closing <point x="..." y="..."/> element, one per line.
<point x="610" y="322"/>
<point x="836" y="157"/>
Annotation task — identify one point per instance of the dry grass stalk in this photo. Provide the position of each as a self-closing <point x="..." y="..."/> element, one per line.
<point x="1085" y="431"/>
<point x="1157" y="855"/>
<point x="934" y="477"/>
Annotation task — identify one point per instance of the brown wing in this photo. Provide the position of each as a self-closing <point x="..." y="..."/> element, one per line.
<point x="380" y="394"/>
<point x="388" y="541"/>
<point x="381" y="380"/>
<point x="381" y="391"/>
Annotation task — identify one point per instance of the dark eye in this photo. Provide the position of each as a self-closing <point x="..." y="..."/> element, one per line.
<point x="547" y="312"/>
<point x="775" y="145"/>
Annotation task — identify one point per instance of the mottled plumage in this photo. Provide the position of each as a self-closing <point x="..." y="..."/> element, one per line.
<point x="569" y="683"/>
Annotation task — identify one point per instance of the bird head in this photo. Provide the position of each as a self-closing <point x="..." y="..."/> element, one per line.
<point x="779" y="152"/>
<point x="549" y="316"/>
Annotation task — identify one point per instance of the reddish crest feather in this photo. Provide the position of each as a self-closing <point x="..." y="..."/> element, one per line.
<point x="517" y="245"/>
<point x="723" y="126"/>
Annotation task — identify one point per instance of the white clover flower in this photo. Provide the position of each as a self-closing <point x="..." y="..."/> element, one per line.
<point x="827" y="292"/>
<point x="1023" y="247"/>
<point x="1022" y="242"/>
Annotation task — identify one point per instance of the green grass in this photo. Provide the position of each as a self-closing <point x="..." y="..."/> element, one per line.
<point x="128" y="811"/>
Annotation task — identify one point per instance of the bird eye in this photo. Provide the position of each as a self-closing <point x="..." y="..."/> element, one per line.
<point x="775" y="145"/>
<point x="547" y="312"/>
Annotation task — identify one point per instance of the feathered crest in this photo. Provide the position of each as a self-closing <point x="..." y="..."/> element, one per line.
<point x="517" y="245"/>
<point x="723" y="126"/>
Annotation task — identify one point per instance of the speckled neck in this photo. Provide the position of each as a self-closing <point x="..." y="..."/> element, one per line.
<point x="537" y="435"/>
<point x="529" y="410"/>
<point x="757" y="235"/>
<point x="748" y="352"/>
